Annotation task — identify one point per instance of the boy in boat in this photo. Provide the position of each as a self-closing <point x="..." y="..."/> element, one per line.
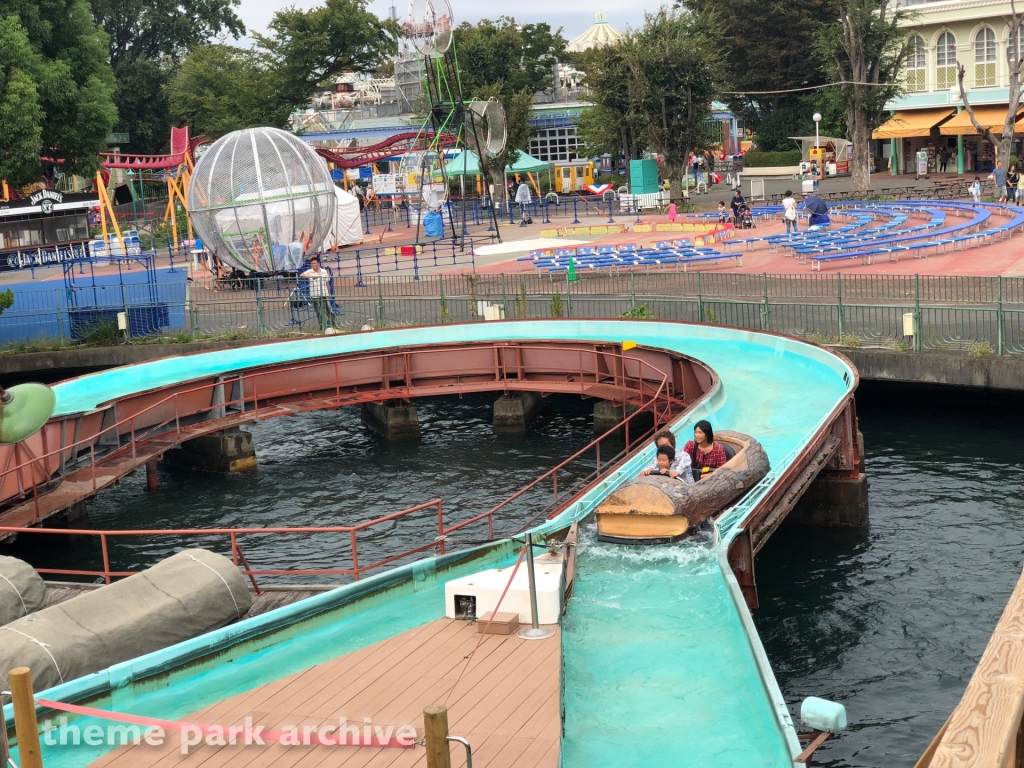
<point x="680" y="464"/>
<point x="663" y="459"/>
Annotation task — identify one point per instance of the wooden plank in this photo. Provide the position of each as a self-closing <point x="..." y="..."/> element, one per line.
<point x="506" y="703"/>
<point x="982" y="731"/>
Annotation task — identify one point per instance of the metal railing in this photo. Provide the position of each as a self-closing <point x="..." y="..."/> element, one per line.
<point x="237" y="556"/>
<point x="251" y="395"/>
<point x="971" y="314"/>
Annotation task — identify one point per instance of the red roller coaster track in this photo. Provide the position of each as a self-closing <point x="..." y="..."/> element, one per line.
<point x="353" y="157"/>
<point x="182" y="146"/>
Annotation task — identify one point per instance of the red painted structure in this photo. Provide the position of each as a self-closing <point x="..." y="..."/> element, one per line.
<point x="75" y="456"/>
<point x="353" y="157"/>
<point x="182" y="147"/>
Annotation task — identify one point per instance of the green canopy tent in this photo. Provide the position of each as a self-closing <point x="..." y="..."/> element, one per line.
<point x="467" y="163"/>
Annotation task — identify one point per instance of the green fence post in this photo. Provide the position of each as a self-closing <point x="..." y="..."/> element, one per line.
<point x="999" y="316"/>
<point x="700" y="302"/>
<point x="193" y="314"/>
<point x="60" y="317"/>
<point x="504" y="295"/>
<point x="917" y="314"/>
<point x="261" y="325"/>
<point x="381" y="320"/>
<point x="839" y="305"/>
<point x="766" y="319"/>
<point x="632" y="291"/>
<point x="568" y="297"/>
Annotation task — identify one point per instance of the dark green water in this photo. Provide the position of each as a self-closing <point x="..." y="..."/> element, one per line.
<point x="889" y="620"/>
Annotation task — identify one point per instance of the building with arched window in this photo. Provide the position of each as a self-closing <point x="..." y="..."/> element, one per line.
<point x="930" y="116"/>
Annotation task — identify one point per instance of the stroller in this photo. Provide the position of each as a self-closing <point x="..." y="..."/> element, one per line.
<point x="745" y="218"/>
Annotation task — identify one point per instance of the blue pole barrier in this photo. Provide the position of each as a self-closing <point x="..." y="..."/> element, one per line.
<point x="366" y="213"/>
<point x="575" y="216"/>
<point x="547" y="211"/>
<point x="408" y="217"/>
<point x="415" y="262"/>
<point x="359" y="272"/>
<point x="511" y="213"/>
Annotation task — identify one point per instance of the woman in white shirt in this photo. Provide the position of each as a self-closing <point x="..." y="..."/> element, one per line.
<point x="789" y="213"/>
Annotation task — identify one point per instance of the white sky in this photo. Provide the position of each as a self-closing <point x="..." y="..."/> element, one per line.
<point x="575" y="16"/>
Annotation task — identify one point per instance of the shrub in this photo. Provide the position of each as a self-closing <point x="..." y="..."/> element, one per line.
<point x="981" y="349"/>
<point x="758" y="159"/>
<point x="851" y="340"/>
<point x="640" y="312"/>
<point x="556" y="304"/>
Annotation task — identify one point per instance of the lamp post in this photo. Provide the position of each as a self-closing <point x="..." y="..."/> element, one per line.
<point x="816" y="117"/>
<point x="131" y="188"/>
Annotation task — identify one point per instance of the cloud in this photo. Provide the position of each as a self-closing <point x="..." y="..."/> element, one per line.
<point x="574" y="17"/>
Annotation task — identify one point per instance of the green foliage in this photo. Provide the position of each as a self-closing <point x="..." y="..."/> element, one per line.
<point x="712" y="316"/>
<point x="522" y="305"/>
<point x="306" y="49"/>
<point x="640" y="312"/>
<point x="148" y="40"/>
<point x="507" y="61"/>
<point x="6" y="300"/>
<point x="657" y="84"/>
<point x="612" y="126"/>
<point x="556" y="304"/>
<point x="101" y="334"/>
<point x="757" y="159"/>
<point x="221" y="88"/>
<point x="865" y="51"/>
<point x="981" y="349"/>
<point x="446" y="316"/>
<point x="766" y="45"/>
<point x="850" y="340"/>
<point x="903" y="345"/>
<point x="56" y="87"/>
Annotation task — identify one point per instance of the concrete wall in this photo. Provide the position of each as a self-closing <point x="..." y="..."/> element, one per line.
<point x="948" y="369"/>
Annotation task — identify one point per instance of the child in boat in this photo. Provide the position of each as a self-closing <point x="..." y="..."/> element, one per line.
<point x="705" y="454"/>
<point x="665" y="456"/>
<point x="680" y="466"/>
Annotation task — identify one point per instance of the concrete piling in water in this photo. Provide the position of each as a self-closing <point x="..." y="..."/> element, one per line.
<point x="392" y="420"/>
<point x="515" y="412"/>
<point x="229" y="451"/>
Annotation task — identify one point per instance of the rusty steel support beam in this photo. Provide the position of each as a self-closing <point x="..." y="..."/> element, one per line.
<point x="741" y="560"/>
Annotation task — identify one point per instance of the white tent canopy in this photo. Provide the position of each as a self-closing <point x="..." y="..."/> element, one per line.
<point x="807" y="144"/>
<point x="346" y="229"/>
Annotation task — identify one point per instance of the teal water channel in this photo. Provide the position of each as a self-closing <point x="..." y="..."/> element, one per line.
<point x="889" y="620"/>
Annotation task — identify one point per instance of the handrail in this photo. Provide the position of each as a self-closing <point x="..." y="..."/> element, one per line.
<point x="593" y="445"/>
<point x="236" y="551"/>
<point x="620" y="378"/>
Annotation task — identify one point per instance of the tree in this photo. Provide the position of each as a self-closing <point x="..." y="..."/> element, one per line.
<point x="766" y="45"/>
<point x="308" y="48"/>
<point x="863" y="54"/>
<point x="510" y="62"/>
<point x="220" y="89"/>
<point x="612" y="125"/>
<point x="1014" y="62"/>
<point x="21" y="115"/>
<point x="148" y="41"/>
<point x="672" y="63"/>
<point x="63" y="85"/>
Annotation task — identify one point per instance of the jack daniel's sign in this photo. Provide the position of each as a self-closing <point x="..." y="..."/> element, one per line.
<point x="46" y="199"/>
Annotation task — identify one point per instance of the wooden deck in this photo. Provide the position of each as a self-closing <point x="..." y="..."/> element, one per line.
<point x="506" y="704"/>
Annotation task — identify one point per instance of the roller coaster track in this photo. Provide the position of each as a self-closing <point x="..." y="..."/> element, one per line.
<point x="353" y="157"/>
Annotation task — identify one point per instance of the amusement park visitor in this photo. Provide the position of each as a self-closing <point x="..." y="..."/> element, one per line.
<point x="975" y="189"/>
<point x="998" y="177"/>
<point x="523" y="197"/>
<point x="789" y="213"/>
<point x="737" y="201"/>
<point x="723" y="216"/>
<point x="1012" y="182"/>
<point x="943" y="159"/>
<point x="360" y="195"/>
<point x="680" y="464"/>
<point x="663" y="462"/>
<point x="319" y="292"/>
<point x="705" y="454"/>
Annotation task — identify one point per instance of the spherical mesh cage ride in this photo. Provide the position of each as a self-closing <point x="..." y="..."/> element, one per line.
<point x="256" y="195"/>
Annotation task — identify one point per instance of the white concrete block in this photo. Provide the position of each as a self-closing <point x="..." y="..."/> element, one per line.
<point x="488" y="585"/>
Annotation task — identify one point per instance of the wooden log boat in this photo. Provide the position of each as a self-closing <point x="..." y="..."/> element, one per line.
<point x="657" y="509"/>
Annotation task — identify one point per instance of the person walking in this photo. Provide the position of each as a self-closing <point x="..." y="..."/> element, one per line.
<point x="943" y="159"/>
<point x="737" y="201"/>
<point x="319" y="292"/>
<point x="998" y="177"/>
<point x="789" y="213"/>
<point x="1012" y="183"/>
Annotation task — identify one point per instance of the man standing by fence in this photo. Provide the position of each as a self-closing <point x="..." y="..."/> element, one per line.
<point x="319" y="292"/>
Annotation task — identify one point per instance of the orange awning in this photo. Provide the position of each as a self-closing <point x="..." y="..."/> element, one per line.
<point x="918" y="122"/>
<point x="989" y="117"/>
